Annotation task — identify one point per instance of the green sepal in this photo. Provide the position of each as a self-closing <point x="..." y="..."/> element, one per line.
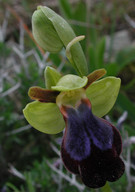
<point x="52" y="76"/>
<point x="44" y="117"/>
<point x="103" y="94"/>
<point x="70" y="82"/>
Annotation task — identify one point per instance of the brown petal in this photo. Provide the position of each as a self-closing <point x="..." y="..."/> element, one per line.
<point x="95" y="75"/>
<point x="43" y="95"/>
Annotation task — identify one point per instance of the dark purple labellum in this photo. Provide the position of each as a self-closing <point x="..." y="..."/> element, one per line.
<point x="91" y="146"/>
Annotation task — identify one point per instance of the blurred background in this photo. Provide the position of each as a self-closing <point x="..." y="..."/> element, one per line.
<point x="29" y="160"/>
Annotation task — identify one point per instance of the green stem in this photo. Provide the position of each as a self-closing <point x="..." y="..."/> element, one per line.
<point x="106" y="188"/>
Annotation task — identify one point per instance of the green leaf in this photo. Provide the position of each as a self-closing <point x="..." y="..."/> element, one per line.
<point x="78" y="18"/>
<point x="112" y="69"/>
<point x="70" y="82"/>
<point x="126" y="104"/>
<point x="44" y="117"/>
<point x="103" y="94"/>
<point x="29" y="182"/>
<point x="106" y="188"/>
<point x="79" y="12"/>
<point x="52" y="76"/>
<point x="96" y="54"/>
<point x="93" y="31"/>
<point x="4" y="50"/>
<point x="10" y="185"/>
<point x="65" y="8"/>
<point x="100" y="52"/>
<point x="125" y="57"/>
<point x="92" y="58"/>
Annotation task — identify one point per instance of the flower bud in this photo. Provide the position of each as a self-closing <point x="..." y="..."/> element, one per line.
<point x="44" y="32"/>
<point x="52" y="33"/>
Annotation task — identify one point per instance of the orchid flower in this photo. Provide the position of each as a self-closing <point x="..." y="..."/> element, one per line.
<point x="91" y="146"/>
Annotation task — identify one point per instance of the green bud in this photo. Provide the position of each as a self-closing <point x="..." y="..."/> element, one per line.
<point x="44" y="32"/>
<point x="52" y="33"/>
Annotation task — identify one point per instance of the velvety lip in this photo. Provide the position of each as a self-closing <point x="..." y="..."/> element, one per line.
<point x="91" y="146"/>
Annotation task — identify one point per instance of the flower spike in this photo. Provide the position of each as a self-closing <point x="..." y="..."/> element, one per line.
<point x="91" y="146"/>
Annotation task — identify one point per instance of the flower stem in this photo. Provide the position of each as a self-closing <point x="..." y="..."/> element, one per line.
<point x="71" y="43"/>
<point x="106" y="188"/>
